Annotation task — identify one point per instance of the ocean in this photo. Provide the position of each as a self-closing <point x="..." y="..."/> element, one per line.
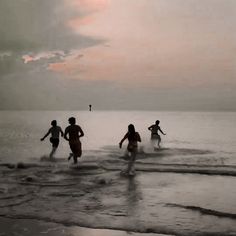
<point x="185" y="188"/>
<point x="20" y="133"/>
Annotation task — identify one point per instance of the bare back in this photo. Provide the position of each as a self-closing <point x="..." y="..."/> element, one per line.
<point x="55" y="131"/>
<point x="74" y="132"/>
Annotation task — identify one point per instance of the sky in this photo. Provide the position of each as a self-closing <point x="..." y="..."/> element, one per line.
<point x="118" y="54"/>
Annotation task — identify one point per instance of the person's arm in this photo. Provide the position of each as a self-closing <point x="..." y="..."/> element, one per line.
<point x="138" y="138"/>
<point x="122" y="140"/>
<point x="81" y="132"/>
<point x="62" y="134"/>
<point x="161" y="131"/>
<point x="150" y="127"/>
<point x="65" y="134"/>
<point x="49" y="131"/>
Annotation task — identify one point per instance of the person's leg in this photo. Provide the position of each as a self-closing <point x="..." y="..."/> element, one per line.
<point x="75" y="158"/>
<point x="125" y="171"/>
<point x="70" y="155"/>
<point x="75" y="147"/>
<point x="158" y="142"/>
<point x="55" y="143"/>
<point x="78" y="153"/>
<point x="154" y="141"/>
<point x="155" y="144"/>
<point x="130" y="169"/>
<point x="52" y="152"/>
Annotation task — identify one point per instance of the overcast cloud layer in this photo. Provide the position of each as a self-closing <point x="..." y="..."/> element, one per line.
<point x="118" y="54"/>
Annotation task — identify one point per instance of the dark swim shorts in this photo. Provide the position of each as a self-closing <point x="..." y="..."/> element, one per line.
<point x="54" y="142"/>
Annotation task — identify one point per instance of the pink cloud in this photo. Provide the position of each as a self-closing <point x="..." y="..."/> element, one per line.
<point x="88" y="5"/>
<point x="43" y="55"/>
<point x="86" y="16"/>
<point x="68" y="66"/>
<point x="58" y="67"/>
<point x="76" y="23"/>
<point x="88" y="8"/>
<point x="27" y="58"/>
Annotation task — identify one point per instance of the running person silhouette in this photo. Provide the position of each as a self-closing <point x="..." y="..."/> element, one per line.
<point x="75" y="132"/>
<point x="154" y="133"/>
<point x="55" y="131"/>
<point x="133" y="139"/>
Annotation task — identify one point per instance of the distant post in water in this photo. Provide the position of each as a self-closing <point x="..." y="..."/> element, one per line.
<point x="90" y="107"/>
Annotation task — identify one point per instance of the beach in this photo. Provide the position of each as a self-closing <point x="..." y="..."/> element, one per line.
<point x="177" y="190"/>
<point x="117" y="118"/>
<point x="95" y="195"/>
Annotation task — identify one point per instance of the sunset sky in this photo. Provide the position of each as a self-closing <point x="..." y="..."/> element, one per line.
<point x="118" y="54"/>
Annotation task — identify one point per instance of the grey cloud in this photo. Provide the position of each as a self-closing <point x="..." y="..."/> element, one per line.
<point x="10" y="64"/>
<point x="29" y="27"/>
<point x="39" y="25"/>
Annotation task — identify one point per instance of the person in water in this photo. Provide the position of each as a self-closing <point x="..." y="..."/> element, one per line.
<point x="132" y="148"/>
<point x="75" y="133"/>
<point x="154" y="133"/>
<point x="55" y="131"/>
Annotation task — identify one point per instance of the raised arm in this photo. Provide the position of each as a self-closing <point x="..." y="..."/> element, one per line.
<point x="49" y="131"/>
<point x="122" y="140"/>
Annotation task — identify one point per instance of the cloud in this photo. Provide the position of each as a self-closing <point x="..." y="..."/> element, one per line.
<point x="89" y="6"/>
<point x="39" y="25"/>
<point x="172" y="54"/>
<point x="45" y="55"/>
<point x="33" y="30"/>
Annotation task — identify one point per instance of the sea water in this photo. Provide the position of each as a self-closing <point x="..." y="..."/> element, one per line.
<point x="20" y="133"/>
<point x="182" y="203"/>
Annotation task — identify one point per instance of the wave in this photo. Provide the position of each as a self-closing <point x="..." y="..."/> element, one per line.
<point x="118" y="164"/>
<point x="204" y="210"/>
<point x="176" y="168"/>
<point x="17" y="203"/>
<point x="162" y="151"/>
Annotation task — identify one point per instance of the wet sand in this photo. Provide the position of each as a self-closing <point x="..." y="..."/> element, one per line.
<point x="14" y="227"/>
<point x="54" y="198"/>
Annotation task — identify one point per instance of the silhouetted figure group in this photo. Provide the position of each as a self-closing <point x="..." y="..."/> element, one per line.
<point x="74" y="132"/>
<point x="132" y="147"/>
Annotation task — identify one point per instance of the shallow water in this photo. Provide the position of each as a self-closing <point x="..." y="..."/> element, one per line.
<point x="94" y="197"/>
<point x="20" y="133"/>
<point x="185" y="188"/>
